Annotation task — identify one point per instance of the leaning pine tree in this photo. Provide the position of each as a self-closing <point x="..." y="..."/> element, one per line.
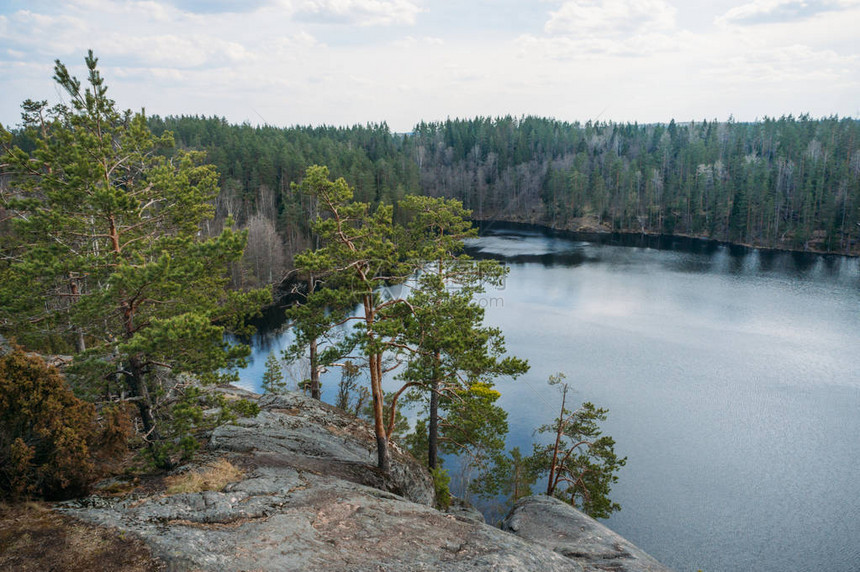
<point x="104" y="249"/>
<point x="581" y="464"/>
<point x="359" y="256"/>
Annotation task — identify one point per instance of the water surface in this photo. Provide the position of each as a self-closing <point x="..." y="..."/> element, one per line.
<point x="733" y="382"/>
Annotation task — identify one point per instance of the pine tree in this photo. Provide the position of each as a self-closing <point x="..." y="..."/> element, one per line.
<point x="105" y="249"/>
<point x="581" y="463"/>
<point x="509" y="478"/>
<point x="273" y="376"/>
<point x="451" y="353"/>
<point x="360" y="257"/>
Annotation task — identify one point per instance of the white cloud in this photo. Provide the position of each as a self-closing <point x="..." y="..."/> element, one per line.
<point x="146" y="9"/>
<point x="565" y="48"/>
<point x="294" y="45"/>
<point x="359" y="12"/>
<point x="784" y="65"/>
<point x="176" y="51"/>
<point x="610" y="18"/>
<point x="648" y="44"/>
<point x="170" y="74"/>
<point x="295" y="62"/>
<point x="797" y="52"/>
<point x="772" y="11"/>
<point x="411" y="42"/>
<point x="56" y="35"/>
<point x="585" y="28"/>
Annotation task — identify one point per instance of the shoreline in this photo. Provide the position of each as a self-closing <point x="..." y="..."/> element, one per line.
<point x="601" y="230"/>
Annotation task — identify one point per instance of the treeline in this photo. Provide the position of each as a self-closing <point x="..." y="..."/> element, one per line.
<point x="258" y="165"/>
<point x="110" y="251"/>
<point x="792" y="182"/>
<point x="786" y="183"/>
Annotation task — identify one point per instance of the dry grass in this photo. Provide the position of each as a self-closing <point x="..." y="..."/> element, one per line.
<point x="33" y="538"/>
<point x="214" y="477"/>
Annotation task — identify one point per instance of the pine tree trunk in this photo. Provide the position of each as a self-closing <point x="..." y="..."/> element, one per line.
<point x="383" y="460"/>
<point x="433" y="429"/>
<point x="138" y="388"/>
<point x="313" y="350"/>
<point x="315" y="371"/>
<point x="433" y="436"/>
<point x="382" y="454"/>
<point x="553" y="470"/>
<point x="375" y="365"/>
<point x="80" y="342"/>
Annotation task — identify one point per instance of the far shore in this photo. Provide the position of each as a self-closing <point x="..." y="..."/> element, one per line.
<point x="584" y="226"/>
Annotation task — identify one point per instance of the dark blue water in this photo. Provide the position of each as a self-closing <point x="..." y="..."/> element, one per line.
<point x="732" y="379"/>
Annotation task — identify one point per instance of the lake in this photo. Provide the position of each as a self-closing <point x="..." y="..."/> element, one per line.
<point x="732" y="377"/>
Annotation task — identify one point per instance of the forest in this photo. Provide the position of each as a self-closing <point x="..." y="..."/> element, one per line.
<point x="790" y="183"/>
<point x="787" y="183"/>
<point x="137" y="243"/>
<point x="119" y="252"/>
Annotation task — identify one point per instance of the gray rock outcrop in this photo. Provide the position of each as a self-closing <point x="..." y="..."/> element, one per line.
<point x="311" y="499"/>
<point x="304" y="434"/>
<point x="556" y="525"/>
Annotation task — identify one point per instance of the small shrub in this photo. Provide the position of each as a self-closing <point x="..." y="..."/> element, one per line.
<point x="190" y="417"/>
<point x="245" y="408"/>
<point x="214" y="477"/>
<point x="110" y="446"/>
<point x="441" y="482"/>
<point x="45" y="431"/>
<point x="117" y="429"/>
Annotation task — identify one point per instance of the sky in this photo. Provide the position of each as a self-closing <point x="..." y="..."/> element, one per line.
<point x="345" y="62"/>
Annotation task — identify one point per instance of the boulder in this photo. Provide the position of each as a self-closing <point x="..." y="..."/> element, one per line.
<point x="553" y="524"/>
<point x="311" y="499"/>
<point x="463" y="509"/>
<point x="305" y="434"/>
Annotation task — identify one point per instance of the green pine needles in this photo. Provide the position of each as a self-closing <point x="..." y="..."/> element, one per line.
<point x="104" y="257"/>
<point x="415" y="291"/>
<point x="579" y="463"/>
<point x="418" y="317"/>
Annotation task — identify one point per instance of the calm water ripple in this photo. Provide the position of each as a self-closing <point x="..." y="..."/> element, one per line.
<point x="733" y="382"/>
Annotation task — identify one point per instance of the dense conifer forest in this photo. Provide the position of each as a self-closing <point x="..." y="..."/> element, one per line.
<point x="791" y="183"/>
<point x="117" y="244"/>
<point x="121" y="244"/>
<point x="787" y="183"/>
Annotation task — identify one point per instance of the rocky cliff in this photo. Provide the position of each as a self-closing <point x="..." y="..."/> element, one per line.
<point x="310" y="498"/>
